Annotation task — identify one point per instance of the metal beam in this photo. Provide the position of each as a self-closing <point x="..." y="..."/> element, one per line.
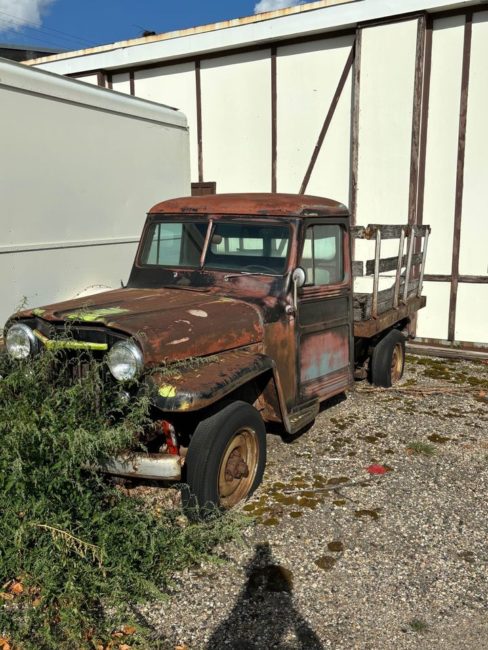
<point x="353" y="183"/>
<point x="458" y="205"/>
<point x="420" y="112"/>
<point x="416" y="122"/>
<point x="274" y="120"/>
<point x="198" y="92"/>
<point x="426" y="74"/>
<point x="438" y="348"/>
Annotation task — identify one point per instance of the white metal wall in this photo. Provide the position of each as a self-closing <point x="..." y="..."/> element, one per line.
<point x="385" y="122"/>
<point x="472" y="307"/>
<point x="237" y="138"/>
<point x="307" y="76"/>
<point x="385" y="129"/>
<point x="176" y="84"/>
<point x="440" y="168"/>
<point x="236" y="117"/>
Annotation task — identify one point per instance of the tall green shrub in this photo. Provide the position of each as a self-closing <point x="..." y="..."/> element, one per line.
<point x="75" y="551"/>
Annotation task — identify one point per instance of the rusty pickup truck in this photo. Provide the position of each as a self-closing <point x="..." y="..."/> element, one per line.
<point x="241" y="310"/>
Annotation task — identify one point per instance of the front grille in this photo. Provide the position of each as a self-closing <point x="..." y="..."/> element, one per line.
<point x="79" y="369"/>
<point x="66" y="331"/>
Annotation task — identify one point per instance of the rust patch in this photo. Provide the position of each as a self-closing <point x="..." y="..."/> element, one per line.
<point x="324" y="352"/>
<point x="197" y="386"/>
<point x="252" y="204"/>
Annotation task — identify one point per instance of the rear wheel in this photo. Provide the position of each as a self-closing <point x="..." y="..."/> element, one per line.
<point x="388" y="360"/>
<point x="226" y="458"/>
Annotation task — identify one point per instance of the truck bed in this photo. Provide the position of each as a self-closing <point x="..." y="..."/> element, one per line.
<point x="388" y="290"/>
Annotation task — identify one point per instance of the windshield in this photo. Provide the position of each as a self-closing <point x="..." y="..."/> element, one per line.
<point x="174" y="244"/>
<point x="247" y="247"/>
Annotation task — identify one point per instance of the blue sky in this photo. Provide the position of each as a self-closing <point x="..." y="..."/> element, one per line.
<point x="75" y="24"/>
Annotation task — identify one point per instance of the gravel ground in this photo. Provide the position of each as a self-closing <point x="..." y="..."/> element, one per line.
<point x="397" y="560"/>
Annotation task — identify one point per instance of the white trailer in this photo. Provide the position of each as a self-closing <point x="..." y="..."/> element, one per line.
<point x="79" y="167"/>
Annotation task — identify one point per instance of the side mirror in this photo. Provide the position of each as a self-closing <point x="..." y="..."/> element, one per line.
<point x="298" y="278"/>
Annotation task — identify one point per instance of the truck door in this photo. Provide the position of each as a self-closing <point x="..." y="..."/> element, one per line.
<point x="324" y="311"/>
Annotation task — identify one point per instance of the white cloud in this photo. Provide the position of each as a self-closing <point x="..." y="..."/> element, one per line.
<point x="16" y="14"/>
<point x="272" y="5"/>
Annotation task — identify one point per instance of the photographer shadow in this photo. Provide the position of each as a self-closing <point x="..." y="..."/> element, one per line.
<point x="264" y="615"/>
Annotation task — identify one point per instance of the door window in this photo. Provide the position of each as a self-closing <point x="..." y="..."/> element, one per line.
<point x="322" y="257"/>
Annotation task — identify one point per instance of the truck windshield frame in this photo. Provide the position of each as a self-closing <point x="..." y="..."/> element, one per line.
<point x="233" y="245"/>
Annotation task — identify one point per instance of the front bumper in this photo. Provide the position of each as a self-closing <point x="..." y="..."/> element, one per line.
<point x="158" y="467"/>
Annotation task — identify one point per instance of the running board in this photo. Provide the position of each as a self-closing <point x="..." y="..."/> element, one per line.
<point x="303" y="414"/>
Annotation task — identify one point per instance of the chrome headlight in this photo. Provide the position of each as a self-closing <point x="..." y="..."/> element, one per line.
<point x="125" y="360"/>
<point x="20" y="341"/>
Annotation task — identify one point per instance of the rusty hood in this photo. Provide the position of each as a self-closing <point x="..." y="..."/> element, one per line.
<point x="168" y="324"/>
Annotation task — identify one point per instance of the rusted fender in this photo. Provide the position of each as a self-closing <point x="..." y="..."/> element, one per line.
<point x="193" y="388"/>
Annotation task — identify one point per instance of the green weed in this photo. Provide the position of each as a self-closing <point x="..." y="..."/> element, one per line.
<point x="76" y="553"/>
<point x="418" y="625"/>
<point x="419" y="447"/>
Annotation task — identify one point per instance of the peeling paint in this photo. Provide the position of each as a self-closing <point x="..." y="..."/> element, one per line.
<point x="38" y="312"/>
<point x="96" y="314"/>
<point x="198" y="312"/>
<point x="166" y="390"/>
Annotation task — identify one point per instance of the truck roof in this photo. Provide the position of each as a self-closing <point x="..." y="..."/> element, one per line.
<point x="289" y="205"/>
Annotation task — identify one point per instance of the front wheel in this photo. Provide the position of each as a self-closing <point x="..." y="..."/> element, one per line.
<point x="388" y="360"/>
<point x="226" y="458"/>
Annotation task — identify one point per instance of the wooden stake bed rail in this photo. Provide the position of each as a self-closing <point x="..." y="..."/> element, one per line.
<point x="378" y="309"/>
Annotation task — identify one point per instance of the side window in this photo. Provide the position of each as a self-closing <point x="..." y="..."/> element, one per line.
<point x="322" y="256"/>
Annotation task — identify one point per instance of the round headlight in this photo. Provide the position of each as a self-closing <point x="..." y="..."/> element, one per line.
<point x="125" y="360"/>
<point x="20" y="341"/>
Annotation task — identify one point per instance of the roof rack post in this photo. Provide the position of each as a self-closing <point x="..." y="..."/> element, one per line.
<point x="422" y="266"/>
<point x="409" y="262"/>
<point x="377" y="254"/>
<point x="401" y="247"/>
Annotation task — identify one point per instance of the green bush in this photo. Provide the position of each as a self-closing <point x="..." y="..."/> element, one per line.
<point x="75" y="551"/>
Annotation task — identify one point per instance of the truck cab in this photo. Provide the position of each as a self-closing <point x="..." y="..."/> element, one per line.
<point x="238" y="313"/>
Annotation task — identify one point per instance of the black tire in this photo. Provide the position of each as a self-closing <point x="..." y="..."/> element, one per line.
<point x="388" y="360"/>
<point x="215" y="477"/>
